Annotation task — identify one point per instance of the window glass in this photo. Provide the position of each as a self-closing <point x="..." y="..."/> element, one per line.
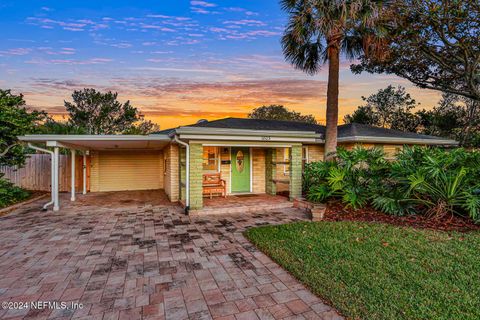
<point x="304" y="156"/>
<point x="210" y="159"/>
<point x="286" y="159"/>
<point x="240" y="161"/>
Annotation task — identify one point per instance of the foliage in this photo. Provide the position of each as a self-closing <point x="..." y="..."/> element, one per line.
<point x="433" y="44"/>
<point x="95" y="112"/>
<point x="142" y="127"/>
<point x="50" y="126"/>
<point x="432" y="181"/>
<point x="388" y="108"/>
<point x="454" y="117"/>
<point x="442" y="182"/>
<point x="378" y="271"/>
<point x="10" y="194"/>
<point x="320" y="31"/>
<point x="15" y="120"/>
<point x="353" y="177"/>
<point x="279" y="112"/>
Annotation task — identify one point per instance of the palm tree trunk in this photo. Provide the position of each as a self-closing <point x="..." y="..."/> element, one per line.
<point x="332" y="102"/>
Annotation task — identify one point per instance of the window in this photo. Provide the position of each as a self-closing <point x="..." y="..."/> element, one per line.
<point x="304" y="156"/>
<point x="286" y="160"/>
<point x="210" y="159"/>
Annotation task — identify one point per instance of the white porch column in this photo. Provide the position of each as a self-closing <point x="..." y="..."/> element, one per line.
<point x="73" y="153"/>
<point x="85" y="172"/>
<point x="56" y="203"/>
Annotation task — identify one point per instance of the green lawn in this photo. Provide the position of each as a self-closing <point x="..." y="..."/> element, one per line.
<point x="377" y="271"/>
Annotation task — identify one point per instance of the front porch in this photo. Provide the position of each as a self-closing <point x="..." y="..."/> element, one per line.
<point x="253" y="174"/>
<point x="242" y="204"/>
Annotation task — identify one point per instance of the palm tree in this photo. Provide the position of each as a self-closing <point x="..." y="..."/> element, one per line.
<point x="319" y="31"/>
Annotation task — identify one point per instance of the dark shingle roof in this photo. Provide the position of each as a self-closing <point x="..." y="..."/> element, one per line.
<point x="363" y="130"/>
<point x="258" y="124"/>
<point x="344" y="131"/>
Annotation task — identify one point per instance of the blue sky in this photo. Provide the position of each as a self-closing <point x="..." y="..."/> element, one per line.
<point x="177" y="61"/>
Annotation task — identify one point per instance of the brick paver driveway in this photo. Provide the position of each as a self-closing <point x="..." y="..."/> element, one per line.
<point x="150" y="261"/>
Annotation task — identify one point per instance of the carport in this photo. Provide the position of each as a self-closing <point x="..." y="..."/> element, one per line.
<point x="112" y="153"/>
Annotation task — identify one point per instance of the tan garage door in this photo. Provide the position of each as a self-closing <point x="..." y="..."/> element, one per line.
<point x="129" y="171"/>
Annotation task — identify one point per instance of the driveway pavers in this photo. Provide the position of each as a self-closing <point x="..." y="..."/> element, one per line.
<point x="142" y="260"/>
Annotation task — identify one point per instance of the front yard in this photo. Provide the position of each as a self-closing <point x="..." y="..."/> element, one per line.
<point x="379" y="271"/>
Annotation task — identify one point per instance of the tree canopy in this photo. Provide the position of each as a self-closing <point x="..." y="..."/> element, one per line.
<point x="279" y="112"/>
<point x="94" y="112"/>
<point x="15" y="120"/>
<point x="432" y="43"/>
<point x="321" y="31"/>
<point x="454" y="117"/>
<point x="388" y="108"/>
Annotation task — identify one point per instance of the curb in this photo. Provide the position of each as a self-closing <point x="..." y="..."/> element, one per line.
<point x="18" y="205"/>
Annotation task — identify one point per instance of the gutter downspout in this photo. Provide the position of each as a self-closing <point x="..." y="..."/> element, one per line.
<point x="52" y="160"/>
<point x="187" y="173"/>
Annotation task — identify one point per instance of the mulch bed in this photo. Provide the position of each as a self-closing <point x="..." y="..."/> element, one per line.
<point x="337" y="212"/>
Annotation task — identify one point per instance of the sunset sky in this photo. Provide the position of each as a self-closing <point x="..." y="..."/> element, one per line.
<point x="177" y="61"/>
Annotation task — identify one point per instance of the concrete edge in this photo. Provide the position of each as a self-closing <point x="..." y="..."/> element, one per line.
<point x="20" y="204"/>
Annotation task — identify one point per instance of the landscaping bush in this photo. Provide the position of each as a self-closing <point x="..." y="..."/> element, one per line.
<point x="432" y="181"/>
<point x="353" y="177"/>
<point x="10" y="194"/>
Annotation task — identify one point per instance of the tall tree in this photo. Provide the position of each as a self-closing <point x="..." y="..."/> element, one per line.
<point x="319" y="31"/>
<point x="455" y="117"/>
<point x="15" y="120"/>
<point x="278" y="112"/>
<point x="434" y="44"/>
<point x="388" y="108"/>
<point x="95" y="112"/>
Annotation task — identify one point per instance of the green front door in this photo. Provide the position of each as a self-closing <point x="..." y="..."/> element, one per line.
<point x="240" y="170"/>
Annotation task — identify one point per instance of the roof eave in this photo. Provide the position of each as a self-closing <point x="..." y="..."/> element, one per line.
<point x="398" y="140"/>
<point x="54" y="137"/>
<point x="246" y="132"/>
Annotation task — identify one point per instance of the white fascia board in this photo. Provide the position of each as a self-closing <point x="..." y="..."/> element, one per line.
<point x="244" y="132"/>
<point x="398" y="140"/>
<point x="247" y="138"/>
<point x="54" y="137"/>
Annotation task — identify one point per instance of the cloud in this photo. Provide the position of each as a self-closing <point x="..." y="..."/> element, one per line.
<point x="61" y="51"/>
<point x="69" y="25"/>
<point x="122" y="45"/>
<point x="242" y="10"/>
<point x="202" y="4"/>
<point x="156" y="27"/>
<point x="15" y="52"/>
<point x="245" y="22"/>
<point x="91" y="61"/>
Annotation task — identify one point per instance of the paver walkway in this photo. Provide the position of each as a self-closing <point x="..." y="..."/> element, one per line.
<point x="146" y="261"/>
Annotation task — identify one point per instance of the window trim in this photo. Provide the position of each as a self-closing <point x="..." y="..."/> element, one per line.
<point x="217" y="159"/>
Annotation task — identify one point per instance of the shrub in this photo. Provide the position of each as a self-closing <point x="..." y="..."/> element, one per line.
<point x="442" y="182"/>
<point x="353" y="177"/>
<point x="10" y="194"/>
<point x="432" y="181"/>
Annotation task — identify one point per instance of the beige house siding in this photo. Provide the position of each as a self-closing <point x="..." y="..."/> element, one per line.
<point x="258" y="173"/>
<point x="391" y="150"/>
<point x="172" y="177"/>
<point x="315" y="152"/>
<point x="126" y="170"/>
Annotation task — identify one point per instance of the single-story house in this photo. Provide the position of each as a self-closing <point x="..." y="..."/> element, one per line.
<point x="250" y="155"/>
